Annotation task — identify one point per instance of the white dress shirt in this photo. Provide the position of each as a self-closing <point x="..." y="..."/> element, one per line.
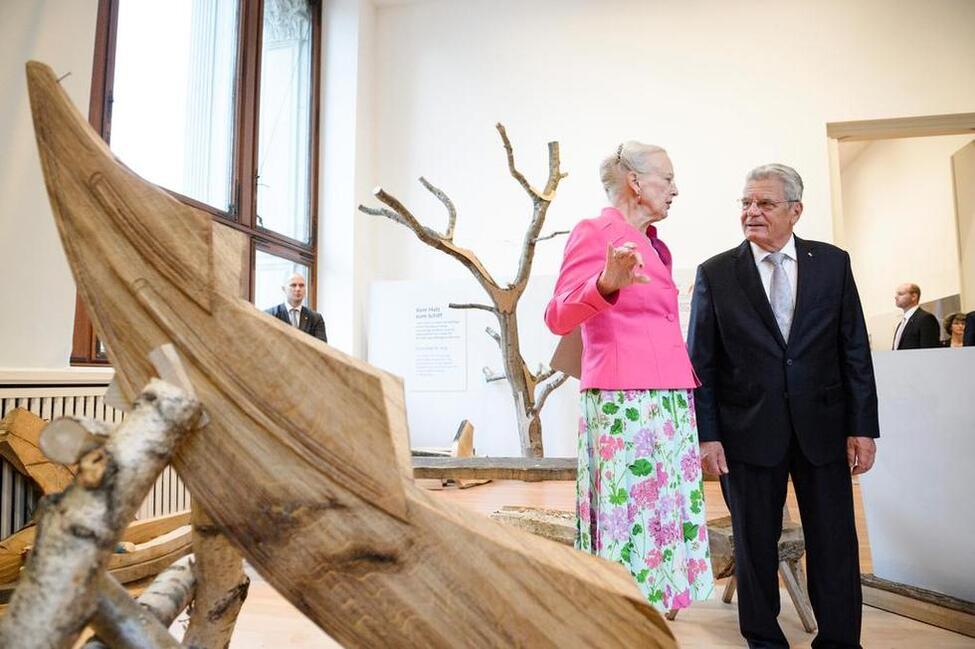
<point x="789" y="265"/>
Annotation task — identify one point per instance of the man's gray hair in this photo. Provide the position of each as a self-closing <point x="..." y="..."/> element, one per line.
<point x="287" y="275"/>
<point x="629" y="156"/>
<point x="791" y="180"/>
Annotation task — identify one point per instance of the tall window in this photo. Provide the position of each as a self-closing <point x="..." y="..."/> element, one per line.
<point x="217" y="102"/>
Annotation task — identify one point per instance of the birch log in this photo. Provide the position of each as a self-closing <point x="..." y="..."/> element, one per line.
<point x="78" y="528"/>
<point x="221" y="585"/>
<point x="121" y="626"/>
<point x="121" y="623"/>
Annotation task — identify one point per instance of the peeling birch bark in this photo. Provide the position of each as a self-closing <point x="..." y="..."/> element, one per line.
<point x="165" y="598"/>
<point x="221" y="585"/>
<point x="78" y="528"/>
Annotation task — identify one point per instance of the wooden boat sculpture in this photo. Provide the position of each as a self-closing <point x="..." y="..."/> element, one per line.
<point x="149" y="545"/>
<point x="305" y="462"/>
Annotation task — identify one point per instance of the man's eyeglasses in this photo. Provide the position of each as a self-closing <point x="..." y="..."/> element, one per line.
<point x="764" y="205"/>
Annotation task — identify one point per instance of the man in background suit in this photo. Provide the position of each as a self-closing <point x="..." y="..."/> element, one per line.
<point x="292" y="312"/>
<point x="970" y="330"/>
<point x="778" y="340"/>
<point x="918" y="329"/>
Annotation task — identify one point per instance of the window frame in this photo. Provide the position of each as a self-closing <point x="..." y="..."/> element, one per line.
<point x="242" y="214"/>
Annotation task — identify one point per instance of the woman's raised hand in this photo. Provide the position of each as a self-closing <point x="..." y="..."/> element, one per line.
<point x="622" y="268"/>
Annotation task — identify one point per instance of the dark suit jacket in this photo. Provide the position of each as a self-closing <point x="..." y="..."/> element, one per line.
<point x="311" y="322"/>
<point x="970" y="330"/>
<point x="756" y="388"/>
<point x="922" y="331"/>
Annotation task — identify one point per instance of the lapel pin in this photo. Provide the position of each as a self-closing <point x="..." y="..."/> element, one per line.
<point x="809" y="253"/>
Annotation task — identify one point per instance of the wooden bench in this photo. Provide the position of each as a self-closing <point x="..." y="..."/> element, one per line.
<point x="791" y="548"/>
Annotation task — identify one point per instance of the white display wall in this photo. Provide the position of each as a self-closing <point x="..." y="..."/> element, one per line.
<point x="442" y="365"/>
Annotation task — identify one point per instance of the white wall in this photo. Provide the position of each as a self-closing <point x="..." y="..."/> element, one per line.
<point x="963" y="164"/>
<point x="724" y="86"/>
<point x="416" y="88"/>
<point x="37" y="292"/>
<point x="435" y="408"/>
<point x="900" y="225"/>
<point x="345" y="253"/>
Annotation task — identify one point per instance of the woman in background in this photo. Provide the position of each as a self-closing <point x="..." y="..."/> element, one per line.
<point x="955" y="328"/>
<point x="640" y="498"/>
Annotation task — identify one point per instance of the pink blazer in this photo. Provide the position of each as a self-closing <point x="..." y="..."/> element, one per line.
<point x="631" y="341"/>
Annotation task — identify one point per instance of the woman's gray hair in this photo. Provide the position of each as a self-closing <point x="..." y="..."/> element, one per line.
<point x="791" y="180"/>
<point x="629" y="156"/>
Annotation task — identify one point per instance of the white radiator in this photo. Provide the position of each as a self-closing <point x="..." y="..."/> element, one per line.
<point x="18" y="497"/>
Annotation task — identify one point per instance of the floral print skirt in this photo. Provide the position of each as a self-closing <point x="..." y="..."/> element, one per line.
<point x="639" y="492"/>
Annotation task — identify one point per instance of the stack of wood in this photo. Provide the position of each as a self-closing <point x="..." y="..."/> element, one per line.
<point x="67" y="580"/>
<point x="146" y="548"/>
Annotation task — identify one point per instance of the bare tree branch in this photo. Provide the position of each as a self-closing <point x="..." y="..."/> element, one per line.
<point x="538" y="214"/>
<point x="548" y="388"/>
<point x="482" y="307"/>
<point x="554" y="174"/>
<point x="432" y="238"/>
<point x="543" y="375"/>
<point x="551" y="236"/>
<point x="517" y="175"/>
<point x="449" y="204"/>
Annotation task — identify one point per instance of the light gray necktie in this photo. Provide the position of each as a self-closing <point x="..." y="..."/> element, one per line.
<point x="898" y="333"/>
<point x="780" y="294"/>
<point x="294" y="317"/>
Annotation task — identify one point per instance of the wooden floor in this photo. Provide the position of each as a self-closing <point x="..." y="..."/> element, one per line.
<point x="268" y="621"/>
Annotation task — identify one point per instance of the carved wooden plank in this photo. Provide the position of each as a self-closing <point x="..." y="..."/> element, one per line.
<point x="920" y="604"/>
<point x="496" y="468"/>
<point x="552" y="524"/>
<point x="13" y="548"/>
<point x="150" y="528"/>
<point x="463" y="446"/>
<point x="20" y="433"/>
<point x="165" y="544"/>
<point x="317" y="493"/>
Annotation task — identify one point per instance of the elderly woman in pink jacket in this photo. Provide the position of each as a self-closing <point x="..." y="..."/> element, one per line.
<point x="640" y="499"/>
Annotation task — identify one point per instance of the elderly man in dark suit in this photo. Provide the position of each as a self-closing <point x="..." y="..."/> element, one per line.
<point x="294" y="313"/>
<point x="778" y="339"/>
<point x="917" y="329"/>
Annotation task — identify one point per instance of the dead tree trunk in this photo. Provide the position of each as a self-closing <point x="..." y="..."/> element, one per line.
<point x="529" y="389"/>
